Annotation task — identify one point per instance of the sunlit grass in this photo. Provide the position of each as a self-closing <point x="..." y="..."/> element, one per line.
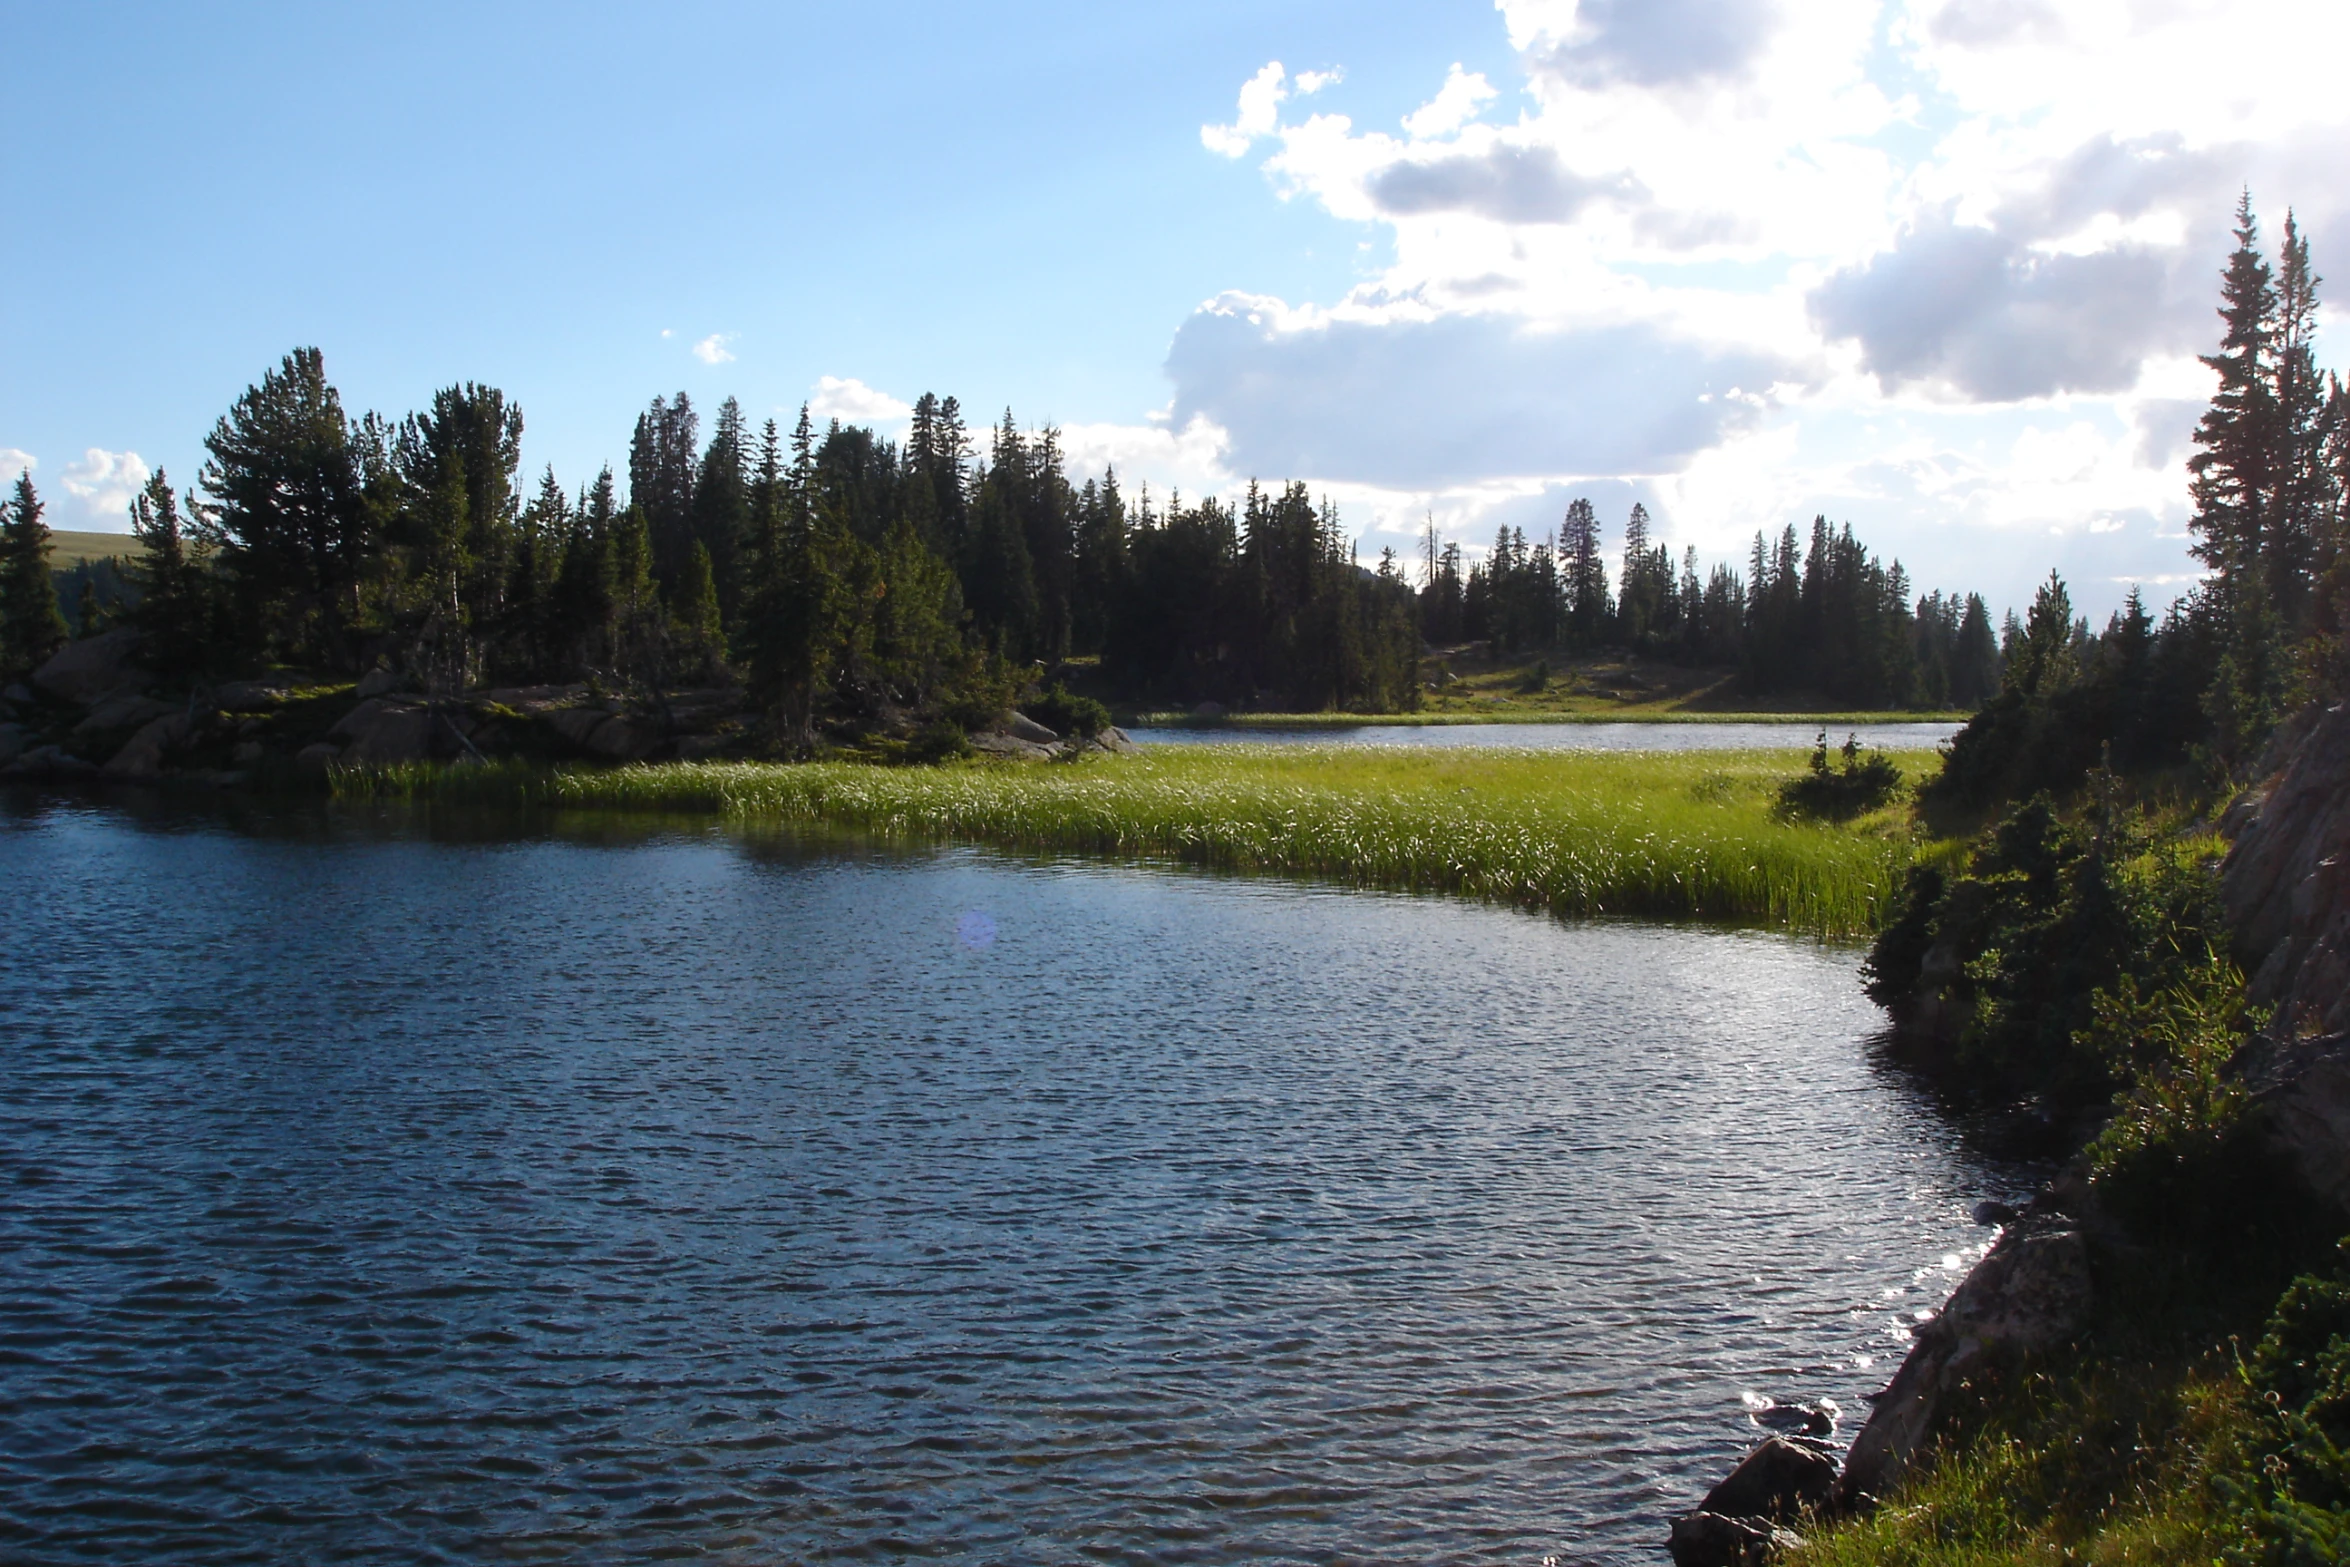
<point x="2110" y="1466"/>
<point x="1664" y="835"/>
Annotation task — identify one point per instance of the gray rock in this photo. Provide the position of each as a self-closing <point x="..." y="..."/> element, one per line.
<point x="1022" y="727"/>
<point x="316" y="758"/>
<point x="143" y="754"/>
<point x="87" y="672"/>
<point x="15" y="740"/>
<point x="1778" y="1480"/>
<point x="2286" y="883"/>
<point x="995" y="743"/>
<point x="1208" y="710"/>
<point x="359" y="719"/>
<point x="1116" y="741"/>
<point x="246" y="696"/>
<point x="534" y="701"/>
<point x="391" y="734"/>
<point x="2301" y="1105"/>
<point x="51" y="762"/>
<point x="17" y="694"/>
<point x="575" y="724"/>
<point x="124" y="710"/>
<point x="247" y="753"/>
<point x="623" y="737"/>
<point x="1703" y="1539"/>
<point x="377" y="682"/>
<point x="2029" y="1294"/>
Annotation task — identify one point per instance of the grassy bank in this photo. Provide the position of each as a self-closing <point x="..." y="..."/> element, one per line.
<point x="1679" y="835"/>
<point x="1833" y="722"/>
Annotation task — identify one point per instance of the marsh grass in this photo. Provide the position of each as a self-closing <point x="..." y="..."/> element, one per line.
<point x="1688" y="835"/>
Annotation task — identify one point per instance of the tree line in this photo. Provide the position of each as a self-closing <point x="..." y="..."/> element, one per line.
<point x="839" y="574"/>
<point x="1831" y="619"/>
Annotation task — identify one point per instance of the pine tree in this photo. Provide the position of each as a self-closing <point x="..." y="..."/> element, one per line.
<point x="174" y="611"/>
<point x="31" y="627"/>
<point x="662" y="471"/>
<point x="699" y="651"/>
<point x="285" y="492"/>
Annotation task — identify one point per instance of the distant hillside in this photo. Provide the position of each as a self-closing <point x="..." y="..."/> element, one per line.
<point x="67" y="550"/>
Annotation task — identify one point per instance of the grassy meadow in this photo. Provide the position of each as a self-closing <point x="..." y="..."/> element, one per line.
<point x="1676" y="835"/>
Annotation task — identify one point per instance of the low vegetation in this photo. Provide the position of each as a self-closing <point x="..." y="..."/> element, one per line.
<point x="1676" y="835"/>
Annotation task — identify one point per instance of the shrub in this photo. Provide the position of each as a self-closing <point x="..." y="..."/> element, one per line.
<point x="940" y="740"/>
<point x="1066" y="713"/>
<point x="1839" y="794"/>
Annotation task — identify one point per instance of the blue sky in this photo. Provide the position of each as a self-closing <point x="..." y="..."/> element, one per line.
<point x="1936" y="269"/>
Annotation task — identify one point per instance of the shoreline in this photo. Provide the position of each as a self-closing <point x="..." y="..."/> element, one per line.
<point x="1678" y="716"/>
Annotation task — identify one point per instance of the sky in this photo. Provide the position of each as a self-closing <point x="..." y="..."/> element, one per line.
<point x="1938" y="269"/>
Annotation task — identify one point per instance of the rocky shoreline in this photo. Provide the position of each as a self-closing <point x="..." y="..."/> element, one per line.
<point x="2285" y="886"/>
<point x="92" y="713"/>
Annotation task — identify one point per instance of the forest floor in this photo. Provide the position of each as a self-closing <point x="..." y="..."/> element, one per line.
<point x="1469" y="684"/>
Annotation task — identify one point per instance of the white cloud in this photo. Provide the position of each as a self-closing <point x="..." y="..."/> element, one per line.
<point x="14" y="462"/>
<point x="1955" y="257"/>
<point x="851" y="401"/>
<point x="1309" y="83"/>
<point x="1260" y="103"/>
<point x="1459" y="101"/>
<point x="100" y="487"/>
<point x="1190" y="458"/>
<point x="712" y="350"/>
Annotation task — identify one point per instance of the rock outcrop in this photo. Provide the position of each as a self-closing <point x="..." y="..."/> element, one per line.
<point x="87" y="672"/>
<point x="2031" y="1293"/>
<point x="2286" y="883"/>
<point x="1703" y="1539"/>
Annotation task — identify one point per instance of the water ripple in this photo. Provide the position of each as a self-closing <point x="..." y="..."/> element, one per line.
<point x="390" y="1195"/>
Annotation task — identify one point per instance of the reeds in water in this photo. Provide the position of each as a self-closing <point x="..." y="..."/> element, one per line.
<point x="1687" y="835"/>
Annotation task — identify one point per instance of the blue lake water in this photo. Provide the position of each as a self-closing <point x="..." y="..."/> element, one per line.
<point x="394" y="1190"/>
<point x="1568" y="737"/>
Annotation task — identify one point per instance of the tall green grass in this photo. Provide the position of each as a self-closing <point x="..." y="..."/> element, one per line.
<point x="1690" y="835"/>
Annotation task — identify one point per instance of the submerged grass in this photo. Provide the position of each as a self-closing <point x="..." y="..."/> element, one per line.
<point x="1687" y="835"/>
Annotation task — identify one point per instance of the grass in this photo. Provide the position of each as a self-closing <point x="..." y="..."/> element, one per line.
<point x="1688" y="835"/>
<point x="2106" y="1465"/>
<point x="1578" y="715"/>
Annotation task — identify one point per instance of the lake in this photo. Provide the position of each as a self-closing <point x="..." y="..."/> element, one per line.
<point x="390" y="1189"/>
<point x="1568" y="737"/>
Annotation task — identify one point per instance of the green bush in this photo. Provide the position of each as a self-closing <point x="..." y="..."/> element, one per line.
<point x="2295" y="1484"/>
<point x="1066" y="713"/>
<point x="940" y="740"/>
<point x="1833" y="794"/>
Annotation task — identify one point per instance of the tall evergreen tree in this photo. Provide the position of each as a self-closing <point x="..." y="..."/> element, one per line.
<point x="284" y="489"/>
<point x="31" y="626"/>
<point x="174" y="613"/>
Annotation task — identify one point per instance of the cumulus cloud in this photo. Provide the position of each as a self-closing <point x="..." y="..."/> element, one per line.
<point x="1190" y="457"/>
<point x="2075" y="280"/>
<point x="1260" y="107"/>
<point x="712" y="350"/>
<point x="1312" y="82"/>
<point x="14" y="462"/>
<point x="1506" y="182"/>
<point x="851" y="401"/>
<point x="1956" y="257"/>
<point x="1986" y="315"/>
<point x="1650" y="43"/>
<point x="1463" y="95"/>
<point x="101" y="485"/>
<point x="1439" y="399"/>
